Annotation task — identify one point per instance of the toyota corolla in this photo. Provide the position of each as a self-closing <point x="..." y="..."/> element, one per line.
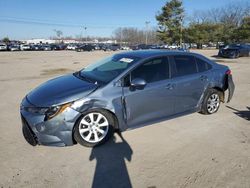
<point x="121" y="92"/>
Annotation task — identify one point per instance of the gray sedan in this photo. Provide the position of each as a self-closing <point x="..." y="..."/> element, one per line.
<point x="121" y="92"/>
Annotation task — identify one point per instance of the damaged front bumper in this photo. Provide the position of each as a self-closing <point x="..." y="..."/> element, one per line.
<point x="54" y="132"/>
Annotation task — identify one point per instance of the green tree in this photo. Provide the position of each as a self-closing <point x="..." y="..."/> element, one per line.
<point x="170" y="22"/>
<point x="242" y="34"/>
<point x="203" y="33"/>
<point x="6" y="40"/>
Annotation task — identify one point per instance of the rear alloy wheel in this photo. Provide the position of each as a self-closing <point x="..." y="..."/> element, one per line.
<point x="94" y="128"/>
<point x="211" y="102"/>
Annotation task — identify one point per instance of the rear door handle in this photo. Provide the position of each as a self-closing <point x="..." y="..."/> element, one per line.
<point x="170" y="86"/>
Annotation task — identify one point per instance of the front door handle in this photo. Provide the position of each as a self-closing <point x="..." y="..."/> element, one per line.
<point x="203" y="78"/>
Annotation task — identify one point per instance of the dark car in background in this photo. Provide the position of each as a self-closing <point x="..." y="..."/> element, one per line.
<point x="85" y="47"/>
<point x="140" y="47"/>
<point x="14" y="47"/>
<point x="111" y="47"/>
<point x="234" y="51"/>
<point x="46" y="47"/>
<point x="36" y="47"/>
<point x="124" y="91"/>
<point x="55" y="47"/>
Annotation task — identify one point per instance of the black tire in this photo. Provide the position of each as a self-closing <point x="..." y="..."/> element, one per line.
<point x="111" y="124"/>
<point x="204" y="106"/>
<point x="236" y="55"/>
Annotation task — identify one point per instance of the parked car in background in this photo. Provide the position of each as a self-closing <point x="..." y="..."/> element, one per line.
<point x="55" y="47"/>
<point x="46" y="47"/>
<point x="62" y="46"/>
<point x="97" y="46"/>
<point x="85" y="47"/>
<point x="14" y="47"/>
<point x="173" y="47"/>
<point x="124" y="91"/>
<point x="71" y="47"/>
<point x="234" y="51"/>
<point x="125" y="48"/>
<point x="111" y="47"/>
<point x="24" y="47"/>
<point x="139" y="47"/>
<point x="36" y="47"/>
<point x="3" y="47"/>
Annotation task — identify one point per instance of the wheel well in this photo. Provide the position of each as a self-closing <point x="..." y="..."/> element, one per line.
<point x="116" y="123"/>
<point x="221" y="92"/>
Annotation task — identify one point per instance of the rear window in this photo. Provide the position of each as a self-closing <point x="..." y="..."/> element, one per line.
<point x="202" y="65"/>
<point x="185" y="65"/>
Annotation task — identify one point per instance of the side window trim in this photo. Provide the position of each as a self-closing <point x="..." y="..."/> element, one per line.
<point x="174" y="68"/>
<point x="142" y="63"/>
<point x="207" y="64"/>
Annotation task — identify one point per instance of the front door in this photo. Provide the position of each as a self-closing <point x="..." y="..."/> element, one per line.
<point x="156" y="100"/>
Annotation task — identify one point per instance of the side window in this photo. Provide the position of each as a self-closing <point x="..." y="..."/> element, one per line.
<point x="202" y="65"/>
<point x="185" y="65"/>
<point x="152" y="71"/>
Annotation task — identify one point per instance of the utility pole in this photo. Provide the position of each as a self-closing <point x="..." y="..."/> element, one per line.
<point x="121" y="36"/>
<point x="85" y="33"/>
<point x="147" y="22"/>
<point x="181" y="29"/>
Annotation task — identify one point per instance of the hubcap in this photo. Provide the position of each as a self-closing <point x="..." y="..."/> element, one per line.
<point x="213" y="103"/>
<point x="93" y="127"/>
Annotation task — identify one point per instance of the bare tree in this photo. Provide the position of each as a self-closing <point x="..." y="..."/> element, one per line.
<point x="133" y="35"/>
<point x="59" y="33"/>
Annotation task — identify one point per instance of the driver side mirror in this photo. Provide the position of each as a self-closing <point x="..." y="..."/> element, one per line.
<point x="138" y="83"/>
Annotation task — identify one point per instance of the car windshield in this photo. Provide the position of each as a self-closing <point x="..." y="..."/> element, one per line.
<point x="232" y="46"/>
<point x="107" y="69"/>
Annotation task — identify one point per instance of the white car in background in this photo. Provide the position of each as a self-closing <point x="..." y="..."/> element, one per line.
<point x="3" y="47"/>
<point x="173" y="47"/>
<point x="125" y="48"/>
<point x="71" y="47"/>
<point x="25" y="47"/>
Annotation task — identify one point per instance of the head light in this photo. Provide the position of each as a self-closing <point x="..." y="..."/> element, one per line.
<point x="49" y="112"/>
<point x="55" y="110"/>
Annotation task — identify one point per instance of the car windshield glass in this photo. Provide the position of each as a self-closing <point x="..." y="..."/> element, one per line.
<point x="232" y="46"/>
<point x="109" y="68"/>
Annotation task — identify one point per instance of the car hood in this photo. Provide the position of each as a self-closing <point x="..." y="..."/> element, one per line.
<point x="60" y="90"/>
<point x="231" y="48"/>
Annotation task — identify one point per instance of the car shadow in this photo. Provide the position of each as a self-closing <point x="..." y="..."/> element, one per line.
<point x="245" y="114"/>
<point x="111" y="170"/>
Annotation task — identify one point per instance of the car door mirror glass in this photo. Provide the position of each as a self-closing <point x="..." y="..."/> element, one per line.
<point x="138" y="83"/>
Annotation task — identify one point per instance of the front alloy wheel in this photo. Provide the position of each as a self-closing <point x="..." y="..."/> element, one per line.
<point x="94" y="128"/>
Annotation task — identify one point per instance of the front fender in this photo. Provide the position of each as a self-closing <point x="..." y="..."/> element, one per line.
<point x="114" y="106"/>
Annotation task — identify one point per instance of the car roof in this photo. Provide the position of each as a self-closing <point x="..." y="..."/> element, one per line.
<point x="152" y="53"/>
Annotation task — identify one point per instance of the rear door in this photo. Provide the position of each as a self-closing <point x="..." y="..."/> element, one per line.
<point x="190" y="80"/>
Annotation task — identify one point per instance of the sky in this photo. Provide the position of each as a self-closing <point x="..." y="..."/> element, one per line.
<point x="26" y="19"/>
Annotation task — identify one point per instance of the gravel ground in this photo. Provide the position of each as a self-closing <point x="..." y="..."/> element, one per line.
<point x="190" y="151"/>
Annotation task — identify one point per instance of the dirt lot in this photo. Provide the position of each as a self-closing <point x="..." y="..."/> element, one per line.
<point x="190" y="151"/>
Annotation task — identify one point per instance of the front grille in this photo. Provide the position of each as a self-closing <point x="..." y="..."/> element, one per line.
<point x="28" y="134"/>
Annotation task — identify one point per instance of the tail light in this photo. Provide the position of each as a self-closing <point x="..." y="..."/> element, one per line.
<point x="228" y="72"/>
